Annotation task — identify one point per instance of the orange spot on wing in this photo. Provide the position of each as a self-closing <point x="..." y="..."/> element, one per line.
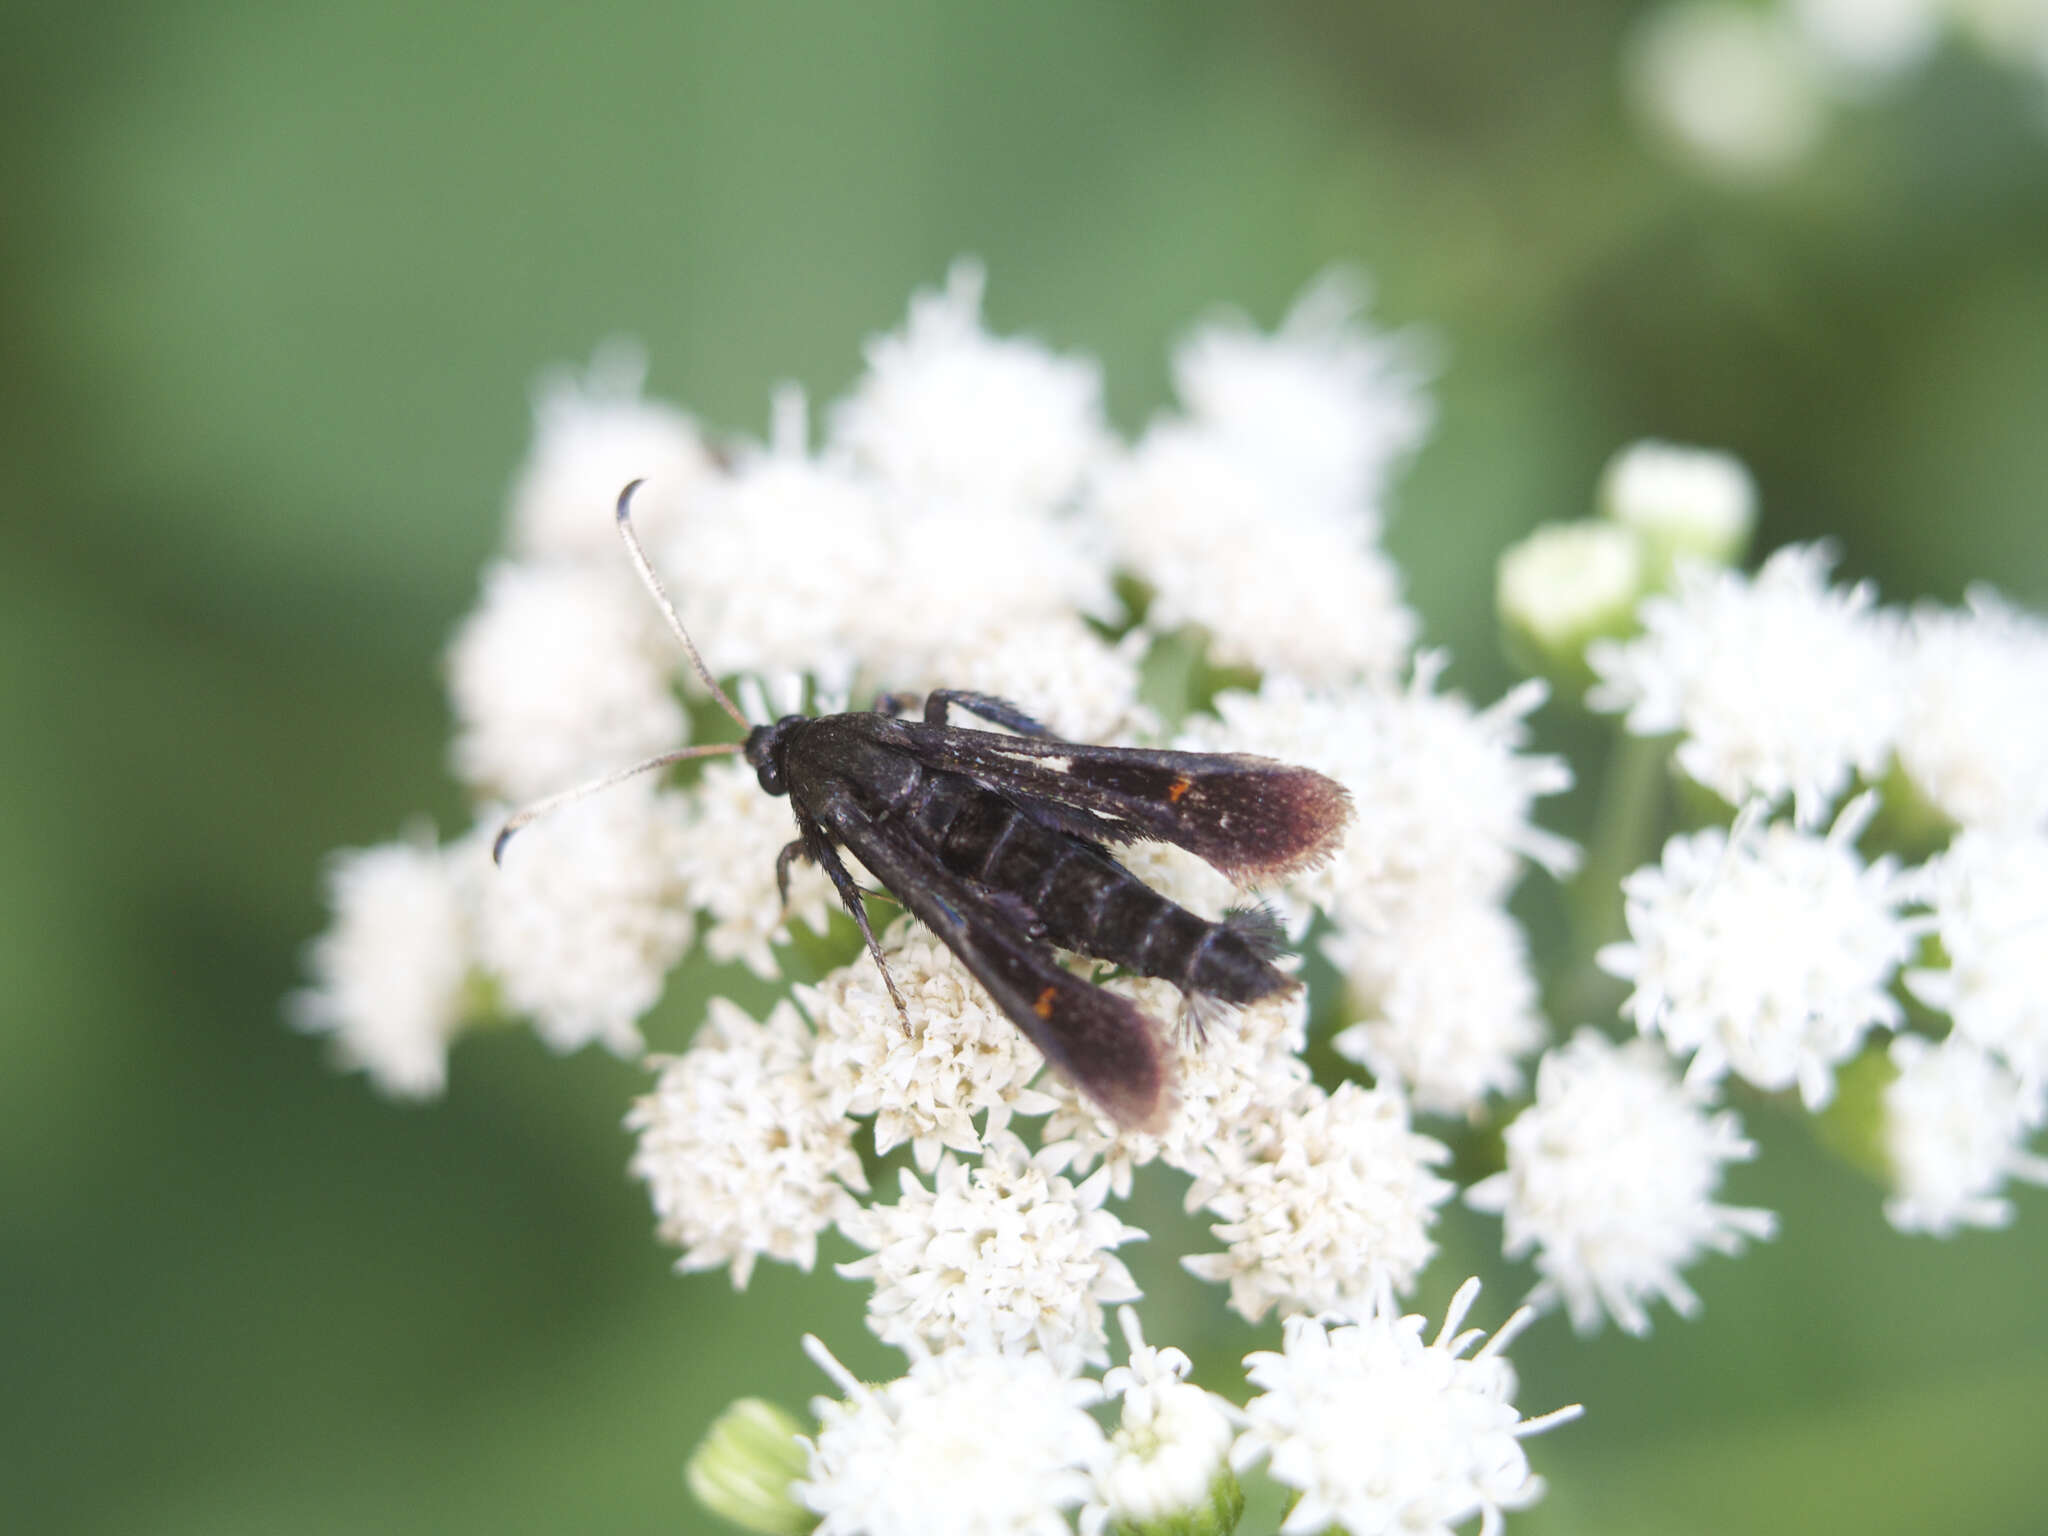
<point x="1177" y="788"/>
<point x="1043" y="1007"/>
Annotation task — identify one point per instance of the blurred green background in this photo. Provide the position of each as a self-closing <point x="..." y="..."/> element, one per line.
<point x="274" y="279"/>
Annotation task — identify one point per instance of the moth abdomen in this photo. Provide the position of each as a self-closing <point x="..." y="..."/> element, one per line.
<point x="1098" y="908"/>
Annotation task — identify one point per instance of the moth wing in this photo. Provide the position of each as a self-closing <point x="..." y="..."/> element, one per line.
<point x="1109" y="1048"/>
<point x="1253" y="818"/>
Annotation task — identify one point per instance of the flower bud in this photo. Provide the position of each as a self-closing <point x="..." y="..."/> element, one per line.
<point x="743" y="1468"/>
<point x="1564" y="586"/>
<point x="1691" y="503"/>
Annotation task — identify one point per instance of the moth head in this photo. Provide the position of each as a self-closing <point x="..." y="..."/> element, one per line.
<point x="767" y="747"/>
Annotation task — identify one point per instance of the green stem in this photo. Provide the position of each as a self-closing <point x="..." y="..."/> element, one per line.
<point x="1630" y="821"/>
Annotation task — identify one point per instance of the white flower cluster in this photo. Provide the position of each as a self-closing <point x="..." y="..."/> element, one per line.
<point x="1377" y="1430"/>
<point x="1771" y="950"/>
<point x="967" y="517"/>
<point x="1443" y="796"/>
<point x="1006" y="1254"/>
<point x="1255" y="516"/>
<point x="1778" y="685"/>
<point x="742" y="1152"/>
<point x="1326" y="1204"/>
<point x="1956" y="1120"/>
<point x="389" y="976"/>
<point x="1764" y="950"/>
<point x="1610" y="1179"/>
<point x="1172" y="1442"/>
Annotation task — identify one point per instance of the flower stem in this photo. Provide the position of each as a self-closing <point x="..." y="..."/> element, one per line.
<point x="1630" y="820"/>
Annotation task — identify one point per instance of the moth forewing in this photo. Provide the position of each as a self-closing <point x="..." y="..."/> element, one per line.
<point x="1252" y="818"/>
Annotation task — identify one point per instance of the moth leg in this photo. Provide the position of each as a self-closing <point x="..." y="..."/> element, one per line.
<point x="1000" y="711"/>
<point x="894" y="703"/>
<point x="791" y="852"/>
<point x="855" y="902"/>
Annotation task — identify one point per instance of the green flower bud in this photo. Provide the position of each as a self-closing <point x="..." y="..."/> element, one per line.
<point x="1564" y="586"/>
<point x="743" y="1468"/>
<point x="1684" y="503"/>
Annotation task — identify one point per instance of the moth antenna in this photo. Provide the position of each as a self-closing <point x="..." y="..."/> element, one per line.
<point x="531" y="813"/>
<point x="653" y="584"/>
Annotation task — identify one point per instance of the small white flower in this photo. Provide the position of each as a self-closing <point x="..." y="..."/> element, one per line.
<point x="1781" y="685"/>
<point x="776" y="562"/>
<point x="1955" y="1129"/>
<point x="1449" y="1003"/>
<point x="587" y="914"/>
<point x="1323" y="409"/>
<point x="1006" y="1254"/>
<point x="1610" y="1180"/>
<point x="562" y="672"/>
<point x="1382" y="1433"/>
<point x="592" y="435"/>
<point x="960" y="1057"/>
<point x="727" y="866"/>
<point x="1325" y="1205"/>
<point x="1243" y="1066"/>
<point x="741" y="1153"/>
<point x="1974" y="739"/>
<point x="1223" y="550"/>
<point x="1441" y="794"/>
<point x="1990" y="899"/>
<point x="1764" y="950"/>
<point x="963" y="1444"/>
<point x="389" y="974"/>
<point x="1682" y="501"/>
<point x="1729" y="85"/>
<point x="1172" y="1441"/>
<point x="948" y="411"/>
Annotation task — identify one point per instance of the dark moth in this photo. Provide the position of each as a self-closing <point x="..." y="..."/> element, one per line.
<point x="1000" y="844"/>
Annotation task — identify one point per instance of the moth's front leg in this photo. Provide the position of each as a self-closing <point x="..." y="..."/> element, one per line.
<point x="791" y="852"/>
<point x="818" y="846"/>
<point x="1001" y="711"/>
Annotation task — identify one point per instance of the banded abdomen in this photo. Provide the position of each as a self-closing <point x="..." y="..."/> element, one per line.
<point x="1071" y="893"/>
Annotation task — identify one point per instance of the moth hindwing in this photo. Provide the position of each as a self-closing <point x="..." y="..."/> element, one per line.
<point x="1000" y="845"/>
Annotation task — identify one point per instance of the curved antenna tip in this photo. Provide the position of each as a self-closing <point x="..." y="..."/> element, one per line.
<point x="625" y="503"/>
<point x="498" y="843"/>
